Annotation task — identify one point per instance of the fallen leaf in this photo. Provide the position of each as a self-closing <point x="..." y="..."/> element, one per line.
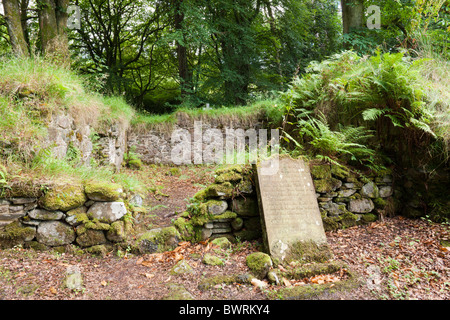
<point x="104" y="283"/>
<point x="184" y="244"/>
<point x="53" y="290"/>
<point x="286" y="282"/>
<point x="258" y="283"/>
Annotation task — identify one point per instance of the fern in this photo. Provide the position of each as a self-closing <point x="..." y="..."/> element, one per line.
<point x="373" y="113"/>
<point x="327" y="144"/>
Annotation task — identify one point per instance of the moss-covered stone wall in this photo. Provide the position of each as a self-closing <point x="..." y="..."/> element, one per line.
<point x="229" y="206"/>
<point x="347" y="198"/>
<point x="88" y="215"/>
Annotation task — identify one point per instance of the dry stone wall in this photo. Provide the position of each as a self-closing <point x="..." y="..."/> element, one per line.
<point x="107" y="146"/>
<point x="154" y="145"/>
<point x="88" y="216"/>
<point x="229" y="206"/>
<point x="347" y="199"/>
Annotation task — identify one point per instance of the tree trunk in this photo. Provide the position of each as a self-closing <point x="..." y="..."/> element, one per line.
<point x="24" y="18"/>
<point x="352" y="14"/>
<point x="183" y="67"/>
<point x="52" y="24"/>
<point x="14" y="25"/>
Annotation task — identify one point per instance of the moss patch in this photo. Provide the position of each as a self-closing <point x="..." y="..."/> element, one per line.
<point x="212" y="260"/>
<point x="210" y="282"/>
<point x="259" y="264"/>
<point x="321" y="171"/>
<point x="307" y="252"/>
<point x="158" y="240"/>
<point x="327" y="185"/>
<point x="315" y="291"/>
<point x="181" y="267"/>
<point x="102" y="191"/>
<point x="14" y="234"/>
<point x="312" y="269"/>
<point x="64" y="198"/>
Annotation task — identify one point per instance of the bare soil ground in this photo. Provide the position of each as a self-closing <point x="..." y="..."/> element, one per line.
<point x="394" y="259"/>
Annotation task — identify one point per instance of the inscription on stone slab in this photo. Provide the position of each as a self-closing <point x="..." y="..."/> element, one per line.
<point x="288" y="206"/>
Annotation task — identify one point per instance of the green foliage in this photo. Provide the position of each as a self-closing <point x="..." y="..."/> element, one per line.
<point x="385" y="85"/>
<point x="343" y="100"/>
<point x="345" y="144"/>
<point x="233" y="50"/>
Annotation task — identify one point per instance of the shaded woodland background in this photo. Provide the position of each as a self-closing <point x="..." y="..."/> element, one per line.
<point x="160" y="54"/>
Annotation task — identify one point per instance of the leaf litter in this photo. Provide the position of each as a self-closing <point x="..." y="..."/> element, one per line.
<point x="401" y="258"/>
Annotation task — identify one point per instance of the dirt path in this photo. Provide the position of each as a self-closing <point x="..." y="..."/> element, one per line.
<point x="395" y="259"/>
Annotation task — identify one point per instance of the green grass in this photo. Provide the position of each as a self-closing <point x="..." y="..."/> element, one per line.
<point x="269" y="109"/>
<point x="31" y="90"/>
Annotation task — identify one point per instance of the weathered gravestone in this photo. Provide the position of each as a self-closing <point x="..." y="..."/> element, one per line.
<point x="288" y="206"/>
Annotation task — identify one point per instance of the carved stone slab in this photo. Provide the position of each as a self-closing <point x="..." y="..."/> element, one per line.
<point x="288" y="206"/>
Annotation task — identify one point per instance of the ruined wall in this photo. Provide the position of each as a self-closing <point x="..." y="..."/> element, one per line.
<point x="154" y="144"/>
<point x="229" y="206"/>
<point x="107" y="146"/>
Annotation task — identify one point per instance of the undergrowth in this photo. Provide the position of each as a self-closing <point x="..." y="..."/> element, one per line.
<point x="343" y="108"/>
<point x="31" y="91"/>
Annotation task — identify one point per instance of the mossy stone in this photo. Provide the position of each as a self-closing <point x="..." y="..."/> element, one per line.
<point x="348" y="219"/>
<point x="158" y="240"/>
<point x="215" y="190"/>
<point x="340" y="171"/>
<point x="181" y="267"/>
<point x="135" y="164"/>
<point x="210" y="282"/>
<point x="321" y="171"/>
<point x="95" y="224"/>
<point x="259" y="264"/>
<point x="226" y="215"/>
<point x="90" y="237"/>
<point x="233" y="168"/>
<point x="330" y="223"/>
<point x="178" y="292"/>
<point x="222" y="242"/>
<point x="185" y="229"/>
<point x="116" y="232"/>
<point x="237" y="224"/>
<point x="98" y="250"/>
<point x="103" y="191"/>
<point x="63" y="198"/>
<point x="55" y="233"/>
<point x="230" y="176"/>
<point x="307" y="252"/>
<point x="369" y="217"/>
<point x="15" y="233"/>
<point x="302" y="271"/>
<point x="212" y="260"/>
<point x="77" y="219"/>
<point x="327" y="185"/>
<point x="370" y="190"/>
<point x="379" y="203"/>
